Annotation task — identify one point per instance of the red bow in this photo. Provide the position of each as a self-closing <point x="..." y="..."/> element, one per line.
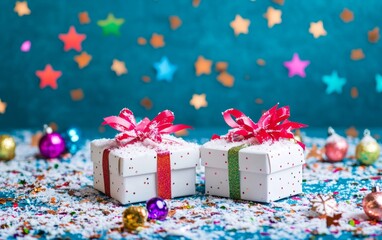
<point x="272" y="126"/>
<point x="132" y="132"/>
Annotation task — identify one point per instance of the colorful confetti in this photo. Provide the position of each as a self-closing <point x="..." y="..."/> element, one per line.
<point x="84" y="18"/>
<point x="157" y="40"/>
<point x="165" y="69"/>
<point x="26" y="46"/>
<point x="296" y="66"/>
<point x="347" y="15"/>
<point x="77" y="94"/>
<point x="373" y="35"/>
<point x="378" y="80"/>
<point x="175" y="22"/>
<point x="72" y="40"/>
<point x="111" y="25"/>
<point x="3" y="107"/>
<point x="317" y="29"/>
<point x="357" y="54"/>
<point x="22" y="9"/>
<point x="273" y="16"/>
<point x="226" y="79"/>
<point x="146" y="103"/>
<point x="83" y="59"/>
<point x="203" y="66"/>
<point x="240" y="25"/>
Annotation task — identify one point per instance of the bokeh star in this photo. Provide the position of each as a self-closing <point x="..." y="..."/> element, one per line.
<point x="119" y="67"/>
<point x="72" y="39"/>
<point x="296" y="66"/>
<point x="240" y="25"/>
<point x="111" y="25"/>
<point x="273" y="16"/>
<point x="3" y="107"/>
<point x="203" y="66"/>
<point x="165" y="69"/>
<point x="198" y="101"/>
<point x="48" y="77"/>
<point x="317" y="29"/>
<point x="334" y="83"/>
<point x="21" y="8"/>
<point x="378" y="80"/>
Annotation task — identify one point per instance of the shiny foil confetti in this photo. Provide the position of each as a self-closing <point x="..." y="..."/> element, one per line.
<point x="373" y="35"/>
<point x="157" y="41"/>
<point x="203" y="66"/>
<point x="175" y="22"/>
<point x="198" y="101"/>
<point x="119" y="67"/>
<point x="347" y="15"/>
<point x="357" y="54"/>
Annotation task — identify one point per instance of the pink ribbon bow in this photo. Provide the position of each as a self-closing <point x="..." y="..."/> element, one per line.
<point x="132" y="132"/>
<point x="272" y="126"/>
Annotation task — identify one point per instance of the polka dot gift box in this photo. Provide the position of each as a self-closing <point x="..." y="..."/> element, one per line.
<point x="144" y="161"/>
<point x="260" y="161"/>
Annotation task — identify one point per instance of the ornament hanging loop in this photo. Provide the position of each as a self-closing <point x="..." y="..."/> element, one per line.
<point x="366" y="132"/>
<point x="331" y="131"/>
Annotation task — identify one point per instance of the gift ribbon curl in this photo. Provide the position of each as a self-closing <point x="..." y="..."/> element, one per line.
<point x="145" y="130"/>
<point x="273" y="125"/>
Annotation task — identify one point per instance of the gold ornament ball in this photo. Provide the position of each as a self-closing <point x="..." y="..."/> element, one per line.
<point x="7" y="147"/>
<point x="368" y="150"/>
<point x="134" y="217"/>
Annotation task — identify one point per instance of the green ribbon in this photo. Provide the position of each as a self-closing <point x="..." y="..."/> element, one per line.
<point x="233" y="172"/>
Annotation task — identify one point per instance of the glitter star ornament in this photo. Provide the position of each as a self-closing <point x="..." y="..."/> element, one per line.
<point x="324" y="205"/>
<point x="111" y="25"/>
<point x="296" y="66"/>
<point x="3" y="107"/>
<point x="72" y="39"/>
<point x="273" y="16"/>
<point x="317" y="29"/>
<point x="378" y="80"/>
<point x="119" y="67"/>
<point x="334" y="83"/>
<point x="203" y="66"/>
<point x="48" y="77"/>
<point x="83" y="59"/>
<point x="21" y="8"/>
<point x="198" y="101"/>
<point x="240" y="25"/>
<point x="157" y="40"/>
<point x="165" y="69"/>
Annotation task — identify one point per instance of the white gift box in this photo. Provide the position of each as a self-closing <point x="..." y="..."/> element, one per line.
<point x="133" y="169"/>
<point x="267" y="172"/>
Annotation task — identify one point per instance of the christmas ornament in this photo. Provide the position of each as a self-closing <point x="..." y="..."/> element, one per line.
<point x="52" y="144"/>
<point x="324" y="205"/>
<point x="72" y="136"/>
<point x="336" y="147"/>
<point x="134" y="217"/>
<point x="157" y="208"/>
<point x="372" y="204"/>
<point x="367" y="150"/>
<point x="7" y="147"/>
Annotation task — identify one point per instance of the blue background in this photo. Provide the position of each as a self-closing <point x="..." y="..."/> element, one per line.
<point x="205" y="31"/>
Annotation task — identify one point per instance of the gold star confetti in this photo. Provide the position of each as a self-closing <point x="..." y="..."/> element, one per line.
<point x="354" y="92"/>
<point x="3" y="107"/>
<point x="260" y="62"/>
<point x="316" y="153"/>
<point x="240" y="25"/>
<point x="146" y="103"/>
<point x="347" y="15"/>
<point x="182" y="133"/>
<point x="226" y="79"/>
<point x="157" y="41"/>
<point x="373" y="35"/>
<point x="279" y="2"/>
<point x="259" y="101"/>
<point x="77" y="94"/>
<point x="198" y="101"/>
<point x="83" y="59"/>
<point x="357" y="54"/>
<point x="35" y="139"/>
<point x="352" y="132"/>
<point x="83" y="17"/>
<point x="203" y="66"/>
<point x="273" y="16"/>
<point x="141" y="41"/>
<point x="21" y="8"/>
<point x="195" y="3"/>
<point x="317" y="29"/>
<point x="146" y="79"/>
<point x="119" y="67"/>
<point x="175" y="22"/>
<point x="221" y="66"/>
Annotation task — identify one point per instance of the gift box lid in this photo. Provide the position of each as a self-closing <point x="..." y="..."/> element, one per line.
<point x="264" y="158"/>
<point x="138" y="159"/>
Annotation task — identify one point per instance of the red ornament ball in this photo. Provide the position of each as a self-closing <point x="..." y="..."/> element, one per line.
<point x="336" y="147"/>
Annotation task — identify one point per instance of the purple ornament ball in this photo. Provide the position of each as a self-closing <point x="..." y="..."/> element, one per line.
<point x="51" y="145"/>
<point x="157" y="208"/>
